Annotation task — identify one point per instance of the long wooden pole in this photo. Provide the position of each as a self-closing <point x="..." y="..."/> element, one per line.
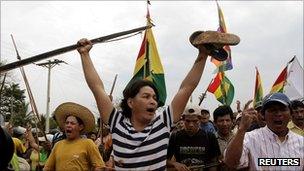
<point x="55" y="52"/>
<point x="28" y="88"/>
<point x="113" y="85"/>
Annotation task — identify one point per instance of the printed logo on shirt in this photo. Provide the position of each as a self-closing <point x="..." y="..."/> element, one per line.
<point x="192" y="150"/>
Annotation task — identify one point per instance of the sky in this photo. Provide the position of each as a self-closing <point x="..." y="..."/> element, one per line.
<point x="271" y="33"/>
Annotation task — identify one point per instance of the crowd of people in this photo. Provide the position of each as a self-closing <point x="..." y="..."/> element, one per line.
<point x="181" y="137"/>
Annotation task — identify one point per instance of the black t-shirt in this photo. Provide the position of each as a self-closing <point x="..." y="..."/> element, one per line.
<point x="194" y="150"/>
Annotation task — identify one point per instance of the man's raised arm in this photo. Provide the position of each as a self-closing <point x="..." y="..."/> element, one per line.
<point x="94" y="82"/>
<point x="189" y="84"/>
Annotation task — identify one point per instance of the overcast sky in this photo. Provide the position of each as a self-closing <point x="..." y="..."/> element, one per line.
<point x="271" y="34"/>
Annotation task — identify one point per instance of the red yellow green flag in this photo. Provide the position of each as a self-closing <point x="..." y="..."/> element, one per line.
<point x="222" y="89"/>
<point x="258" y="90"/>
<point x="227" y="64"/>
<point x="148" y="64"/>
<point x="278" y="86"/>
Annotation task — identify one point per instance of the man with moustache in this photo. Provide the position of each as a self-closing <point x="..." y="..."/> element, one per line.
<point x="272" y="141"/>
<point x="140" y="136"/>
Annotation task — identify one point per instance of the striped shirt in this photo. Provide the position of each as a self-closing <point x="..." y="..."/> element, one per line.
<point x="263" y="143"/>
<point x="145" y="150"/>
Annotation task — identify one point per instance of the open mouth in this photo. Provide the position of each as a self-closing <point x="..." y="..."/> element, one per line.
<point x="68" y="131"/>
<point x="151" y="110"/>
<point x="278" y="122"/>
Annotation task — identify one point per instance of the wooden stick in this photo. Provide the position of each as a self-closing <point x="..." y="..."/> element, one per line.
<point x="28" y="88"/>
<point x="204" y="94"/>
<point x="45" y="55"/>
<point x="113" y="85"/>
<point x="204" y="166"/>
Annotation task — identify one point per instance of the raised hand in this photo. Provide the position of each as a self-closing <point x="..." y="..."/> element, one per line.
<point x="238" y="106"/>
<point x="249" y="114"/>
<point x="203" y="52"/>
<point x="85" y="46"/>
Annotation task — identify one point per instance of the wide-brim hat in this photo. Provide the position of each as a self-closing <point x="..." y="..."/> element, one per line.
<point x="73" y="109"/>
<point x="213" y="37"/>
<point x="214" y="41"/>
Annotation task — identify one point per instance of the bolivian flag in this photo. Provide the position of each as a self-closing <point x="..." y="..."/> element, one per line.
<point x="222" y="89"/>
<point x="258" y="90"/>
<point x="148" y="65"/>
<point x="278" y="86"/>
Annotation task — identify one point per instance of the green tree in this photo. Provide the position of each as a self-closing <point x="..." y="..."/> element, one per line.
<point x="12" y="100"/>
<point x="23" y="116"/>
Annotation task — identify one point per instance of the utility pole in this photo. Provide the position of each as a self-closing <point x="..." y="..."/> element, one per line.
<point x="49" y="65"/>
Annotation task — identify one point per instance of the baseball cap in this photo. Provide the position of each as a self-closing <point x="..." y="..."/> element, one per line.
<point x="275" y="97"/>
<point x="192" y="110"/>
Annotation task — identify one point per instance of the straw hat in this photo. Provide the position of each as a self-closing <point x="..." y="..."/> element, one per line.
<point x="73" y="109"/>
<point x="214" y="41"/>
<point x="213" y="37"/>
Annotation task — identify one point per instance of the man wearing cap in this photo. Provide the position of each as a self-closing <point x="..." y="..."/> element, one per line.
<point x="273" y="143"/>
<point x="296" y="124"/>
<point x="206" y="124"/>
<point x="192" y="147"/>
<point x="74" y="152"/>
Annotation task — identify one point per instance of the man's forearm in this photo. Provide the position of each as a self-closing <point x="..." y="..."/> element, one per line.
<point x="188" y="85"/>
<point x="234" y="149"/>
<point x="193" y="77"/>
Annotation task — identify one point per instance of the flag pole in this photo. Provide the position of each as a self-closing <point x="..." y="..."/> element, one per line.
<point x="292" y="59"/>
<point x="59" y="51"/>
<point x="223" y="88"/>
<point x="204" y="93"/>
<point x="288" y="71"/>
<point x="100" y="129"/>
<point x="113" y="85"/>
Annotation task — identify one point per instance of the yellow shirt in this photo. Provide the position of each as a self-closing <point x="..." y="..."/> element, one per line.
<point x="294" y="128"/>
<point x="34" y="160"/>
<point x="80" y="154"/>
<point x="18" y="145"/>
